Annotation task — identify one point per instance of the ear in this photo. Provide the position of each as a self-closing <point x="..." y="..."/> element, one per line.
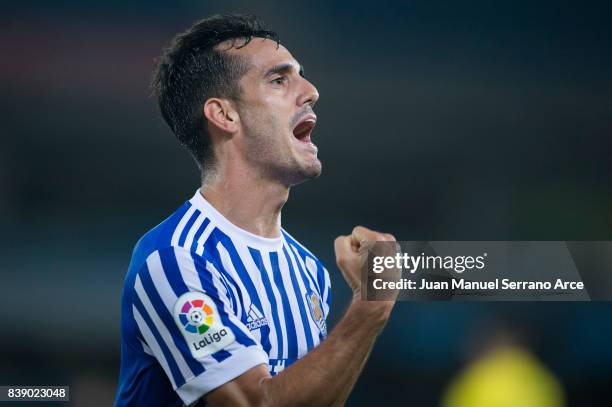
<point x="221" y="114"/>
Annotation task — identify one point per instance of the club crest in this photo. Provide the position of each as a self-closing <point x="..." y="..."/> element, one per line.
<point x="316" y="311"/>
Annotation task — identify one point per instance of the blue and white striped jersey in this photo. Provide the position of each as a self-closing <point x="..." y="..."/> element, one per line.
<point x="204" y="301"/>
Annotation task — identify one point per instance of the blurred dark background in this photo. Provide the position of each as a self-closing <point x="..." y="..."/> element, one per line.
<point x="437" y="121"/>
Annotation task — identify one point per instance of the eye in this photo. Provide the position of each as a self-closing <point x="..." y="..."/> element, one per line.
<point x="279" y="81"/>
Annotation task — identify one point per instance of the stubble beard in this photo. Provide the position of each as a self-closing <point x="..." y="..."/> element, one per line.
<point x="275" y="160"/>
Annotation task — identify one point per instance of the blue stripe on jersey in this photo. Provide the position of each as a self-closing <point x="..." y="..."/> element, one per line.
<point x="187" y="227"/>
<point x="172" y="271"/>
<point x="308" y="283"/>
<point x="177" y="282"/>
<point x="128" y="323"/>
<point x="296" y="244"/>
<point x="198" y="233"/>
<point x="194" y="247"/>
<point x="157" y="237"/>
<point x="170" y="264"/>
<point x="248" y="283"/>
<point x="212" y="254"/>
<point x="209" y="287"/>
<point x="221" y="355"/>
<point x="292" y="349"/>
<point x="300" y="301"/>
<point x="211" y="249"/>
<point x="321" y="277"/>
<point x="305" y="254"/>
<point x="166" y="317"/>
<point x="179" y="380"/>
<point x="256" y="255"/>
<point x="310" y="279"/>
<point x="229" y="292"/>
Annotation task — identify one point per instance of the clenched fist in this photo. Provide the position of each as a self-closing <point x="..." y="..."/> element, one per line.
<point x="352" y="254"/>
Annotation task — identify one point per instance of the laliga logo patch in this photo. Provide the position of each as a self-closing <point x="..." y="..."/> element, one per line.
<point x="316" y="311"/>
<point x="200" y="323"/>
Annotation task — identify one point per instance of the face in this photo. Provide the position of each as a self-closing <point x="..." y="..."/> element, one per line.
<point x="276" y="115"/>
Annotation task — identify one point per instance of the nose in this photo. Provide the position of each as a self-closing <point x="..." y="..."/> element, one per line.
<point x="309" y="94"/>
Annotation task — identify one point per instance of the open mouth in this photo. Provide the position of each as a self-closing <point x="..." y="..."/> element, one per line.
<point x="304" y="128"/>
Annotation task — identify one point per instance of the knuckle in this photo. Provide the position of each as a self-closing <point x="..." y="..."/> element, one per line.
<point x="383" y="237"/>
<point x="379" y="237"/>
<point x="360" y="229"/>
<point x="389" y="237"/>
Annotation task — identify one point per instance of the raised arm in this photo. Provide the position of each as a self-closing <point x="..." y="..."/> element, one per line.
<point x="326" y="375"/>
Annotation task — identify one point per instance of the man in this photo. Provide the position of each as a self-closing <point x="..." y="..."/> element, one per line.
<point x="220" y="304"/>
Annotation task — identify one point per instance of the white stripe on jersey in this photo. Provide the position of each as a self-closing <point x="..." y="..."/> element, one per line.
<point x="309" y="273"/>
<point x="255" y="275"/>
<point x="250" y="277"/>
<point x="148" y="336"/>
<point x="314" y="330"/>
<point x="194" y="228"/>
<point x="228" y="266"/>
<point x="293" y="303"/>
<point x="202" y="239"/>
<point x="162" y="330"/>
<point x="186" y="268"/>
<point x="146" y="348"/>
<point x="165" y="291"/>
<point x="326" y="291"/>
<point x="280" y="310"/>
<point x="221" y="288"/>
<point x="181" y="225"/>
<point x="311" y="267"/>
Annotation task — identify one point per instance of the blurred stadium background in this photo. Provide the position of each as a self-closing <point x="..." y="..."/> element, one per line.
<point x="479" y="121"/>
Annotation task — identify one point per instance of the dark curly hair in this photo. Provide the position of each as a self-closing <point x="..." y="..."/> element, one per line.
<point x="192" y="69"/>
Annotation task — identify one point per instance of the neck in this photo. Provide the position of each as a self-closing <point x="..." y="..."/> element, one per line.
<point x="250" y="202"/>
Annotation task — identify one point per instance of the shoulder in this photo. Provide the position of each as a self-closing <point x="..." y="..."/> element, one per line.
<point x="293" y="242"/>
<point x="312" y="262"/>
<point x="159" y="237"/>
<point x="170" y="244"/>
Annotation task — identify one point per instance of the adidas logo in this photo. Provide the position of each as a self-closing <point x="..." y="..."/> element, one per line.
<point x="255" y="318"/>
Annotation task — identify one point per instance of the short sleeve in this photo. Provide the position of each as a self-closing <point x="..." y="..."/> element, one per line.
<point x="185" y="312"/>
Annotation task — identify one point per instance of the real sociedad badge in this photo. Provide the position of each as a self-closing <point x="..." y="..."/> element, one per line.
<point x="316" y="311"/>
